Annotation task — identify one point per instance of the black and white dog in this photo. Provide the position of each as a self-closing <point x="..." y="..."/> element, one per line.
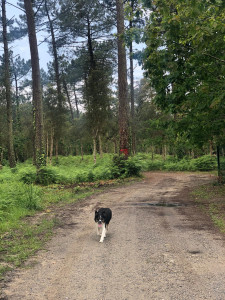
<point x="102" y="218"/>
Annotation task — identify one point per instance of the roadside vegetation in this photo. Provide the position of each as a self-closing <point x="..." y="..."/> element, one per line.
<point x="211" y="198"/>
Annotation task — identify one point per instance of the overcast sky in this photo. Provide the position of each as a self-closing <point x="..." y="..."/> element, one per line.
<point x="22" y="46"/>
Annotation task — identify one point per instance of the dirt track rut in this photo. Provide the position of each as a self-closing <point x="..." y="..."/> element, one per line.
<point x="159" y="246"/>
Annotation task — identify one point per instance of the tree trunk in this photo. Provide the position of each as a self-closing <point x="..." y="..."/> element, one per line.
<point x="11" y="154"/>
<point x="18" y="123"/>
<point x="122" y="81"/>
<point x="55" y="55"/>
<point x="100" y="146"/>
<point x="76" y="102"/>
<point x="58" y="129"/>
<point x="1" y="159"/>
<point x="90" y="47"/>
<point x="47" y="149"/>
<point x="68" y="99"/>
<point x="82" y="152"/>
<point x="51" y="146"/>
<point x="94" y="149"/>
<point x="115" y="146"/>
<point x="56" y="149"/>
<point x="36" y="86"/>
<point x="211" y="148"/>
<point x="133" y="135"/>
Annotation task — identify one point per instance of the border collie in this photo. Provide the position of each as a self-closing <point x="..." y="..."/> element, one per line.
<point x="102" y="218"/>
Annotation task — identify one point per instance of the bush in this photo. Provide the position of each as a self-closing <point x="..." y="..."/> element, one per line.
<point x="43" y="176"/>
<point x="29" y="177"/>
<point x="155" y="165"/>
<point x="122" y="167"/>
<point x="132" y="169"/>
<point x="46" y="176"/>
<point x="118" y="166"/>
<point x="81" y="177"/>
<point x="90" y="176"/>
<point x="205" y="163"/>
<point x="31" y="198"/>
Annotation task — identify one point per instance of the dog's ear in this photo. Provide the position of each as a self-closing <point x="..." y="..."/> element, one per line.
<point x="96" y="211"/>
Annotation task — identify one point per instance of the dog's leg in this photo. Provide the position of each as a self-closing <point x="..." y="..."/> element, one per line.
<point x="98" y="230"/>
<point x="106" y="229"/>
<point x="103" y="234"/>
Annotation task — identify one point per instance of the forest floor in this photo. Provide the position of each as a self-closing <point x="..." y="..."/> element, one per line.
<point x="160" y="245"/>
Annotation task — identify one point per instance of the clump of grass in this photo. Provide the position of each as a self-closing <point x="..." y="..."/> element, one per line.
<point x="18" y="244"/>
<point x="211" y="199"/>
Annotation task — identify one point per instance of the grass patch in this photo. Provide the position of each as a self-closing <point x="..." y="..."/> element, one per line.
<point x="211" y="198"/>
<point x="18" y="244"/>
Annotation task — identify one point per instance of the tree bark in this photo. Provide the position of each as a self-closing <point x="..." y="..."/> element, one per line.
<point x="133" y="134"/>
<point x="36" y="86"/>
<point x="58" y="129"/>
<point x="94" y="149"/>
<point x="47" y="149"/>
<point x="11" y="154"/>
<point x="51" y="146"/>
<point x="122" y="81"/>
<point x="76" y="102"/>
<point x="100" y="146"/>
<point x="81" y="150"/>
<point x="68" y="99"/>
<point x="55" y="55"/>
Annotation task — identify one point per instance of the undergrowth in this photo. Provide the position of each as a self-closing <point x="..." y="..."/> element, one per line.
<point x="211" y="198"/>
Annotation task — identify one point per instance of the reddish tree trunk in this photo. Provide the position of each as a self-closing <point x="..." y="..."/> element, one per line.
<point x="122" y="81"/>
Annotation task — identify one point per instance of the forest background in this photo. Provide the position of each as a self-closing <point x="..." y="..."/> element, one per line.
<point x="177" y="109"/>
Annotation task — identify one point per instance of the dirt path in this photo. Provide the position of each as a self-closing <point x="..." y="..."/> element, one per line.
<point x="159" y="247"/>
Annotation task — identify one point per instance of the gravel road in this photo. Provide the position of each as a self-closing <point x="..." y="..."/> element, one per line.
<point x="159" y="246"/>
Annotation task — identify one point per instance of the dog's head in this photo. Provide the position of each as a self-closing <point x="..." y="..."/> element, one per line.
<point x="100" y="217"/>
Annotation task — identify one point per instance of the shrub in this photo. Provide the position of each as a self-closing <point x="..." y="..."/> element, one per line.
<point x="31" y="198"/>
<point x="131" y="168"/>
<point x="90" y="176"/>
<point x="46" y="176"/>
<point x="118" y="166"/>
<point x="29" y="177"/>
<point x="155" y="165"/>
<point x="81" y="177"/>
<point x="122" y="167"/>
<point x="205" y="163"/>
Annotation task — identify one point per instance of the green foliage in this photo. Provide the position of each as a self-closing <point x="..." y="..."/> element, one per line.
<point x="46" y="176"/>
<point x="16" y="199"/>
<point x="28" y="177"/>
<point x="205" y="163"/>
<point x="184" y="63"/>
<point x="122" y="167"/>
<point x="31" y="198"/>
<point x="43" y="176"/>
<point x="171" y="163"/>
